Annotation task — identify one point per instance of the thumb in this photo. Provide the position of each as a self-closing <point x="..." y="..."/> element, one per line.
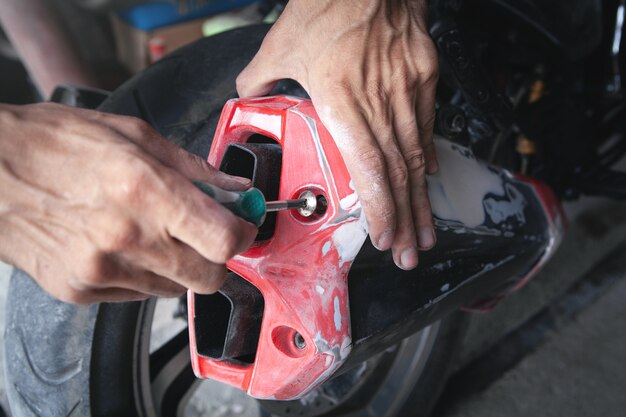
<point x="259" y="77"/>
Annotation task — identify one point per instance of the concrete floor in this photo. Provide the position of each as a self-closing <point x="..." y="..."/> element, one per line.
<point x="579" y="369"/>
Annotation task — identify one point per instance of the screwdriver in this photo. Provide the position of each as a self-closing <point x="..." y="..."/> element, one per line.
<point x="251" y="206"/>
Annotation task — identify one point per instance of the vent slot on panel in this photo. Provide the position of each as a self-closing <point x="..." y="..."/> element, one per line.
<point x="259" y="160"/>
<point x="228" y="324"/>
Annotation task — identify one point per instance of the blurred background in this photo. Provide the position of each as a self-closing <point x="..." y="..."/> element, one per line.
<point x="558" y="347"/>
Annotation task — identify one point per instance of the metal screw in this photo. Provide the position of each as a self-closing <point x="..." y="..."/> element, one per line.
<point x="299" y="341"/>
<point x="311" y="203"/>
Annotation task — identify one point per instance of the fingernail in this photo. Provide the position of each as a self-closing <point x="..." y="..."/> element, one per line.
<point x="408" y="259"/>
<point x="426" y="238"/>
<point x="246" y="182"/>
<point x="243" y="181"/>
<point x="384" y="241"/>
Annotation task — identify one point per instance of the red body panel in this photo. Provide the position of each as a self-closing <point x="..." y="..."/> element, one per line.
<point x="302" y="270"/>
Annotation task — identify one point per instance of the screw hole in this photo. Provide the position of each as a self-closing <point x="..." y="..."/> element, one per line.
<point x="322" y="205"/>
<point x="299" y="341"/>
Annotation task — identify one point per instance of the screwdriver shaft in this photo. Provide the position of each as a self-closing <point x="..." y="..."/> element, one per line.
<point x="285" y="205"/>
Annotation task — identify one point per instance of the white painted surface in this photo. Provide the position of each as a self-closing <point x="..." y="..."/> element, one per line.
<point x="457" y="191"/>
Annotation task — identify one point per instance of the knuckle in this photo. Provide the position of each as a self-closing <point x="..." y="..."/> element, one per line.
<point x="404" y="82"/>
<point x="122" y="236"/>
<point x="95" y="272"/>
<point x="429" y="71"/>
<point x="372" y="160"/>
<point x="415" y="160"/>
<point x="376" y="92"/>
<point x="398" y="175"/>
<point x="140" y="127"/>
<point x="229" y="242"/>
<point x="72" y="296"/>
<point x="136" y="179"/>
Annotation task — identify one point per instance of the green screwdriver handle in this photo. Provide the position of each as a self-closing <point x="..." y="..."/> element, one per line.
<point x="249" y="204"/>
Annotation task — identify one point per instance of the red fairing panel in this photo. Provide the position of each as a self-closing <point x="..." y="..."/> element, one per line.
<point x="302" y="271"/>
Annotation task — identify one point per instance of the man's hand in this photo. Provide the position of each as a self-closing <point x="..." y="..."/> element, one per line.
<point x="98" y="207"/>
<point x="371" y="70"/>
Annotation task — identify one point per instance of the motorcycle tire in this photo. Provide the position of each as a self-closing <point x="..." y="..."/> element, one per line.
<point x="97" y="360"/>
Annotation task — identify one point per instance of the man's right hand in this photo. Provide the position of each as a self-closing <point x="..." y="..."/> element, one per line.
<point x="99" y="207"/>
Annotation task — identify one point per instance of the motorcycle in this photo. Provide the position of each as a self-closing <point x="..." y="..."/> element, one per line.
<point x="529" y="113"/>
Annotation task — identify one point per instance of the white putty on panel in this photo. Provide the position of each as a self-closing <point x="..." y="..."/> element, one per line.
<point x="442" y="266"/>
<point x="337" y="313"/>
<point x="326" y="248"/>
<point x="457" y="191"/>
<point x="348" y="239"/>
<point x="499" y="211"/>
<point x="336" y="354"/>
<point x="460" y="228"/>
<point x="348" y="202"/>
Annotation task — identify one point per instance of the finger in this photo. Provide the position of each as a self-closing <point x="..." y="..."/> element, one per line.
<point x="409" y="140"/>
<point x="202" y="223"/>
<point x="105" y="295"/>
<point x="366" y="164"/>
<point x="116" y="295"/>
<point x="146" y="282"/>
<point x="404" y="245"/>
<point x="174" y="267"/>
<point x="117" y="271"/>
<point x="260" y="76"/>
<point x="169" y="154"/>
<point x="425" y="111"/>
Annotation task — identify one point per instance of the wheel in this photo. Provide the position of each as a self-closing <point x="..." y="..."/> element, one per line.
<point x="132" y="359"/>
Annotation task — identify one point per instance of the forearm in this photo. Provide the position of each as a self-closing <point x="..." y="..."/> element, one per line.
<point x="43" y="46"/>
